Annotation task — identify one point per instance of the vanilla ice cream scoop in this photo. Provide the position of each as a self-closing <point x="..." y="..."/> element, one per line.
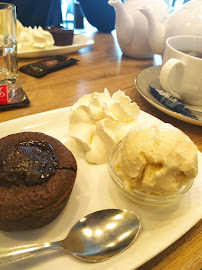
<point x="156" y="159"/>
<point x="98" y="121"/>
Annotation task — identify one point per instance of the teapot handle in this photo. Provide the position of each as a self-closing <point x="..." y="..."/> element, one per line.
<point x="170" y="74"/>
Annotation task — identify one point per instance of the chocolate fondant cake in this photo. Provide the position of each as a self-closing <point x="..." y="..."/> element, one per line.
<point x="37" y="174"/>
<point x="62" y="36"/>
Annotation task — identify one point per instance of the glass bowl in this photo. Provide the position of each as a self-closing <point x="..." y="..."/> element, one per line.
<point x="139" y="196"/>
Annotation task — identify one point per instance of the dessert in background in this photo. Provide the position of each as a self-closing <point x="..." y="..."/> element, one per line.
<point x="157" y="159"/>
<point x="62" y="36"/>
<point x="98" y="121"/>
<point x="37" y="174"/>
<point x="36" y="38"/>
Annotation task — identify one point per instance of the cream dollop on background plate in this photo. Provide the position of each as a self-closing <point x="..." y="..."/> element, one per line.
<point x="30" y="39"/>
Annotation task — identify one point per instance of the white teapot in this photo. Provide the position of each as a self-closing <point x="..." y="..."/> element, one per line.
<point x="132" y="27"/>
<point x="184" y="21"/>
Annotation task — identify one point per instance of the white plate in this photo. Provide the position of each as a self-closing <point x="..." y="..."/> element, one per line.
<point x="94" y="190"/>
<point x="150" y="76"/>
<point x="80" y="41"/>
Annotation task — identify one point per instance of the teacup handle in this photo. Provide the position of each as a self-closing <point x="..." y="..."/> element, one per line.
<point x="165" y="75"/>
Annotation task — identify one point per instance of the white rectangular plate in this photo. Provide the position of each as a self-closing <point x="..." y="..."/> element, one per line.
<point x="94" y="190"/>
<point x="80" y="41"/>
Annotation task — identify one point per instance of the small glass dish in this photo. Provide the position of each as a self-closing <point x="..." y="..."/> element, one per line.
<point x="142" y="197"/>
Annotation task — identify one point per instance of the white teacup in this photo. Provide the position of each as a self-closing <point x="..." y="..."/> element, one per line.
<point x="181" y="73"/>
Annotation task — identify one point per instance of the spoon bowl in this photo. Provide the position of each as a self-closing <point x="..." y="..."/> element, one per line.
<point x="96" y="237"/>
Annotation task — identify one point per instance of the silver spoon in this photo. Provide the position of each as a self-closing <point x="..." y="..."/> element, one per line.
<point x="96" y="237"/>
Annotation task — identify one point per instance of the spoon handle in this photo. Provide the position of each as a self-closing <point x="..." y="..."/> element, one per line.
<point x="22" y="252"/>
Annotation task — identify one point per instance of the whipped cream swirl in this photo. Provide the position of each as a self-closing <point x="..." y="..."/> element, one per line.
<point x="30" y="39"/>
<point x="98" y="121"/>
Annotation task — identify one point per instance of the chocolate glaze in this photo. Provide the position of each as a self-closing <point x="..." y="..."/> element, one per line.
<point x="27" y="163"/>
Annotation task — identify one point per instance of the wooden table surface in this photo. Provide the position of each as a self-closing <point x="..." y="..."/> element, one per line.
<point x="103" y="65"/>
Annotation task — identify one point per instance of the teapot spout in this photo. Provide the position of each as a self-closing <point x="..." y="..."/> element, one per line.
<point x="156" y="30"/>
<point x="124" y="22"/>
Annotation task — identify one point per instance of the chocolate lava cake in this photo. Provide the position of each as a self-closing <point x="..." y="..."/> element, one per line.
<point x="62" y="36"/>
<point x="37" y="174"/>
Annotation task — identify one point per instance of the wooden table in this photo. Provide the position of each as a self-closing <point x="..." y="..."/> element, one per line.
<point x="103" y="65"/>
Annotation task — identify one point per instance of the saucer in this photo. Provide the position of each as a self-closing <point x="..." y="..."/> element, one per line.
<point x="150" y="76"/>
